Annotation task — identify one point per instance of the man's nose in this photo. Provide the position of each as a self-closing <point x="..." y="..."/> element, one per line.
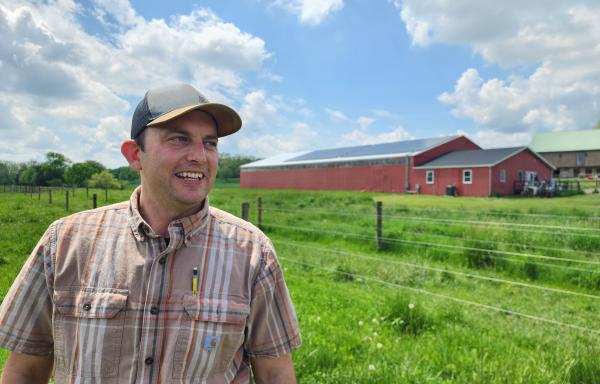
<point x="196" y="153"/>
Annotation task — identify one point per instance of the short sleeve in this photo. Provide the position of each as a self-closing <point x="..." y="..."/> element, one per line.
<point x="272" y="325"/>
<point x="26" y="310"/>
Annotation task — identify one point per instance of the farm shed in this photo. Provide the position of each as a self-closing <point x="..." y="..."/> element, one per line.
<point x="483" y="172"/>
<point x="574" y="153"/>
<point x="384" y="167"/>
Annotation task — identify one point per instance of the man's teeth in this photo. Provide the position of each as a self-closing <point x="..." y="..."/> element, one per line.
<point x="191" y="175"/>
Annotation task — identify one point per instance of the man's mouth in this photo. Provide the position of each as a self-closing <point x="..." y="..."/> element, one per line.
<point x="190" y="175"/>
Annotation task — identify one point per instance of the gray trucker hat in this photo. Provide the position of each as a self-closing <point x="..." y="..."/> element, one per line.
<point x="163" y="104"/>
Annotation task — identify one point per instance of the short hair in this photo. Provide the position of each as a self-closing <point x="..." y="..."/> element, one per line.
<point x="140" y="139"/>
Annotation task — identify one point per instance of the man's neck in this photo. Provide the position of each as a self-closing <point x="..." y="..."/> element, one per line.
<point x="159" y="216"/>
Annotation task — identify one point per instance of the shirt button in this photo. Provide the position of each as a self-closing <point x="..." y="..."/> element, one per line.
<point x="149" y="361"/>
<point x="162" y="260"/>
<point x="154" y="310"/>
<point x="87" y="306"/>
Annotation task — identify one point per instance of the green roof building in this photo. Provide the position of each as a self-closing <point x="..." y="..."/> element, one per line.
<point x="573" y="153"/>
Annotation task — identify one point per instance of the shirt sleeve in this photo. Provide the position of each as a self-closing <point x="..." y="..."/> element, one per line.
<point x="272" y="328"/>
<point x="26" y="310"/>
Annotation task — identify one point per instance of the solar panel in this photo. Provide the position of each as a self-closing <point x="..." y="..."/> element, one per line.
<point x="408" y="146"/>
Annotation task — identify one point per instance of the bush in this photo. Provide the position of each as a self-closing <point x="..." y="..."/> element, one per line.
<point x="531" y="270"/>
<point x="406" y="316"/>
<point x="343" y="272"/>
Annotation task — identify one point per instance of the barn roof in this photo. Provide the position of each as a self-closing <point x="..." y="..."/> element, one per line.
<point x="476" y="158"/>
<point x="360" y="152"/>
<point x="566" y="141"/>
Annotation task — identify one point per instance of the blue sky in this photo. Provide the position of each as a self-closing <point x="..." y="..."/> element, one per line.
<point x="304" y="74"/>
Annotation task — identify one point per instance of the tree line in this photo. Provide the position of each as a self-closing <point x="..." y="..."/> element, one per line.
<point x="58" y="170"/>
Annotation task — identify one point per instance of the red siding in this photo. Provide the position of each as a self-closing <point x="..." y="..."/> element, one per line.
<point x="459" y="144"/>
<point x="380" y="178"/>
<point x="443" y="177"/>
<point x="523" y="161"/>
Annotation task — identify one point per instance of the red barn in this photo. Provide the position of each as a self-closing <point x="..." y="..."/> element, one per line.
<point x="384" y="167"/>
<point x="482" y="172"/>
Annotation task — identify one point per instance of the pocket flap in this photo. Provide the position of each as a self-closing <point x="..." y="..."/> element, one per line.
<point x="90" y="304"/>
<point x="218" y="310"/>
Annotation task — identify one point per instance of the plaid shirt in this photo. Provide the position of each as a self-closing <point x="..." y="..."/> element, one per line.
<point x="114" y="303"/>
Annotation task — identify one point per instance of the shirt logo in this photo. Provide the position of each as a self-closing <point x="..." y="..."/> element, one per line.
<point x="211" y="343"/>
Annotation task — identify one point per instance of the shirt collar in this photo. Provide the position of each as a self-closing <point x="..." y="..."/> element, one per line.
<point x="181" y="231"/>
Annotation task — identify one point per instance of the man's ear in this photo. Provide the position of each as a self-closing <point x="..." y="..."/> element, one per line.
<point x="131" y="151"/>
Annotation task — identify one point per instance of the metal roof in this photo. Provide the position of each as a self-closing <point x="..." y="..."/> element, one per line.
<point x="472" y="158"/>
<point x="477" y="158"/>
<point x="566" y="141"/>
<point x="356" y="153"/>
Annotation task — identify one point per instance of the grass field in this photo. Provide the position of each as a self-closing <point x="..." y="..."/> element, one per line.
<point x="463" y="290"/>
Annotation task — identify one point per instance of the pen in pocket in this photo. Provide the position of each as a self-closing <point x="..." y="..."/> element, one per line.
<point x="195" y="282"/>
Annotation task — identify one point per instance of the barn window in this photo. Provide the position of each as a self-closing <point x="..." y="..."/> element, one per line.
<point x="467" y="176"/>
<point x="520" y="176"/>
<point x="503" y="175"/>
<point x="429" y="177"/>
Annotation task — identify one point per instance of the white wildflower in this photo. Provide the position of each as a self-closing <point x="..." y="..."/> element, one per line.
<point x="371" y="367"/>
<point x="379" y="345"/>
<point x="375" y="334"/>
<point x="411" y="306"/>
<point x="361" y="323"/>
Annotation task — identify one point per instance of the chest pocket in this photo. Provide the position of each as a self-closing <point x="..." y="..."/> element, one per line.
<point x="211" y="332"/>
<point x="88" y="329"/>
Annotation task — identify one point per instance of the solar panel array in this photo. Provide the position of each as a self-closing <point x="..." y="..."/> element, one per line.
<point x="408" y="146"/>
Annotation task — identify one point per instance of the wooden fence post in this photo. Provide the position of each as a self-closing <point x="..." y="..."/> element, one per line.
<point x="95" y="200"/>
<point x="106" y="194"/>
<point x="245" y="209"/>
<point x="49" y="195"/>
<point x="39" y="192"/>
<point x="379" y="226"/>
<point x="259" y="211"/>
<point x="67" y="200"/>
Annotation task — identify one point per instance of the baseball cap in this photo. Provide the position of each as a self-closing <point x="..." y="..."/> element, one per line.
<point x="160" y="105"/>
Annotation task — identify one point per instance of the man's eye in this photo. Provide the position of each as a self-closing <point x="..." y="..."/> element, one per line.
<point x="210" y="144"/>
<point x="179" y="139"/>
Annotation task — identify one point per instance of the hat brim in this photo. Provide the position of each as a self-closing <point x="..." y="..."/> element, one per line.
<point x="228" y="121"/>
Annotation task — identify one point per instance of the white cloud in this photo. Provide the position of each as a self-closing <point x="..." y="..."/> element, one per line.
<point x="59" y="81"/>
<point x="310" y="12"/>
<point x="362" y="136"/>
<point x="559" y="40"/>
<point x="365" y="121"/>
<point x="299" y="138"/>
<point x="336" y="115"/>
<point x="495" y="139"/>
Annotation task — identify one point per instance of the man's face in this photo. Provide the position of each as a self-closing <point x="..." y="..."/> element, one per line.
<point x="179" y="162"/>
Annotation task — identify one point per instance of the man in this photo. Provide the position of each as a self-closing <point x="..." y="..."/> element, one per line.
<point x="162" y="288"/>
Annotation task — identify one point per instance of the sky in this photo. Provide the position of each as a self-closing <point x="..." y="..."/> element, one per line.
<point x="303" y="74"/>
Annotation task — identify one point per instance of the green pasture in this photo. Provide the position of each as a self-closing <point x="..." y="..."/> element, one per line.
<point x="462" y="290"/>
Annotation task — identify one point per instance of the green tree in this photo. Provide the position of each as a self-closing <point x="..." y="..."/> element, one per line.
<point x="30" y="175"/>
<point x="104" y="180"/>
<point x="78" y="173"/>
<point x="53" y="169"/>
<point x="127" y="175"/>
<point x="229" y="165"/>
<point x="9" y="172"/>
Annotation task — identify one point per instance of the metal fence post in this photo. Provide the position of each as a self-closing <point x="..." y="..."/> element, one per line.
<point x="49" y="195"/>
<point x="245" y="209"/>
<point x="67" y="200"/>
<point x="259" y="211"/>
<point x="95" y="200"/>
<point x="379" y="225"/>
<point x="106" y="194"/>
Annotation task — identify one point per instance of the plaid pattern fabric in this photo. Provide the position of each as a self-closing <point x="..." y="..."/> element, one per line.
<point x="114" y="303"/>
